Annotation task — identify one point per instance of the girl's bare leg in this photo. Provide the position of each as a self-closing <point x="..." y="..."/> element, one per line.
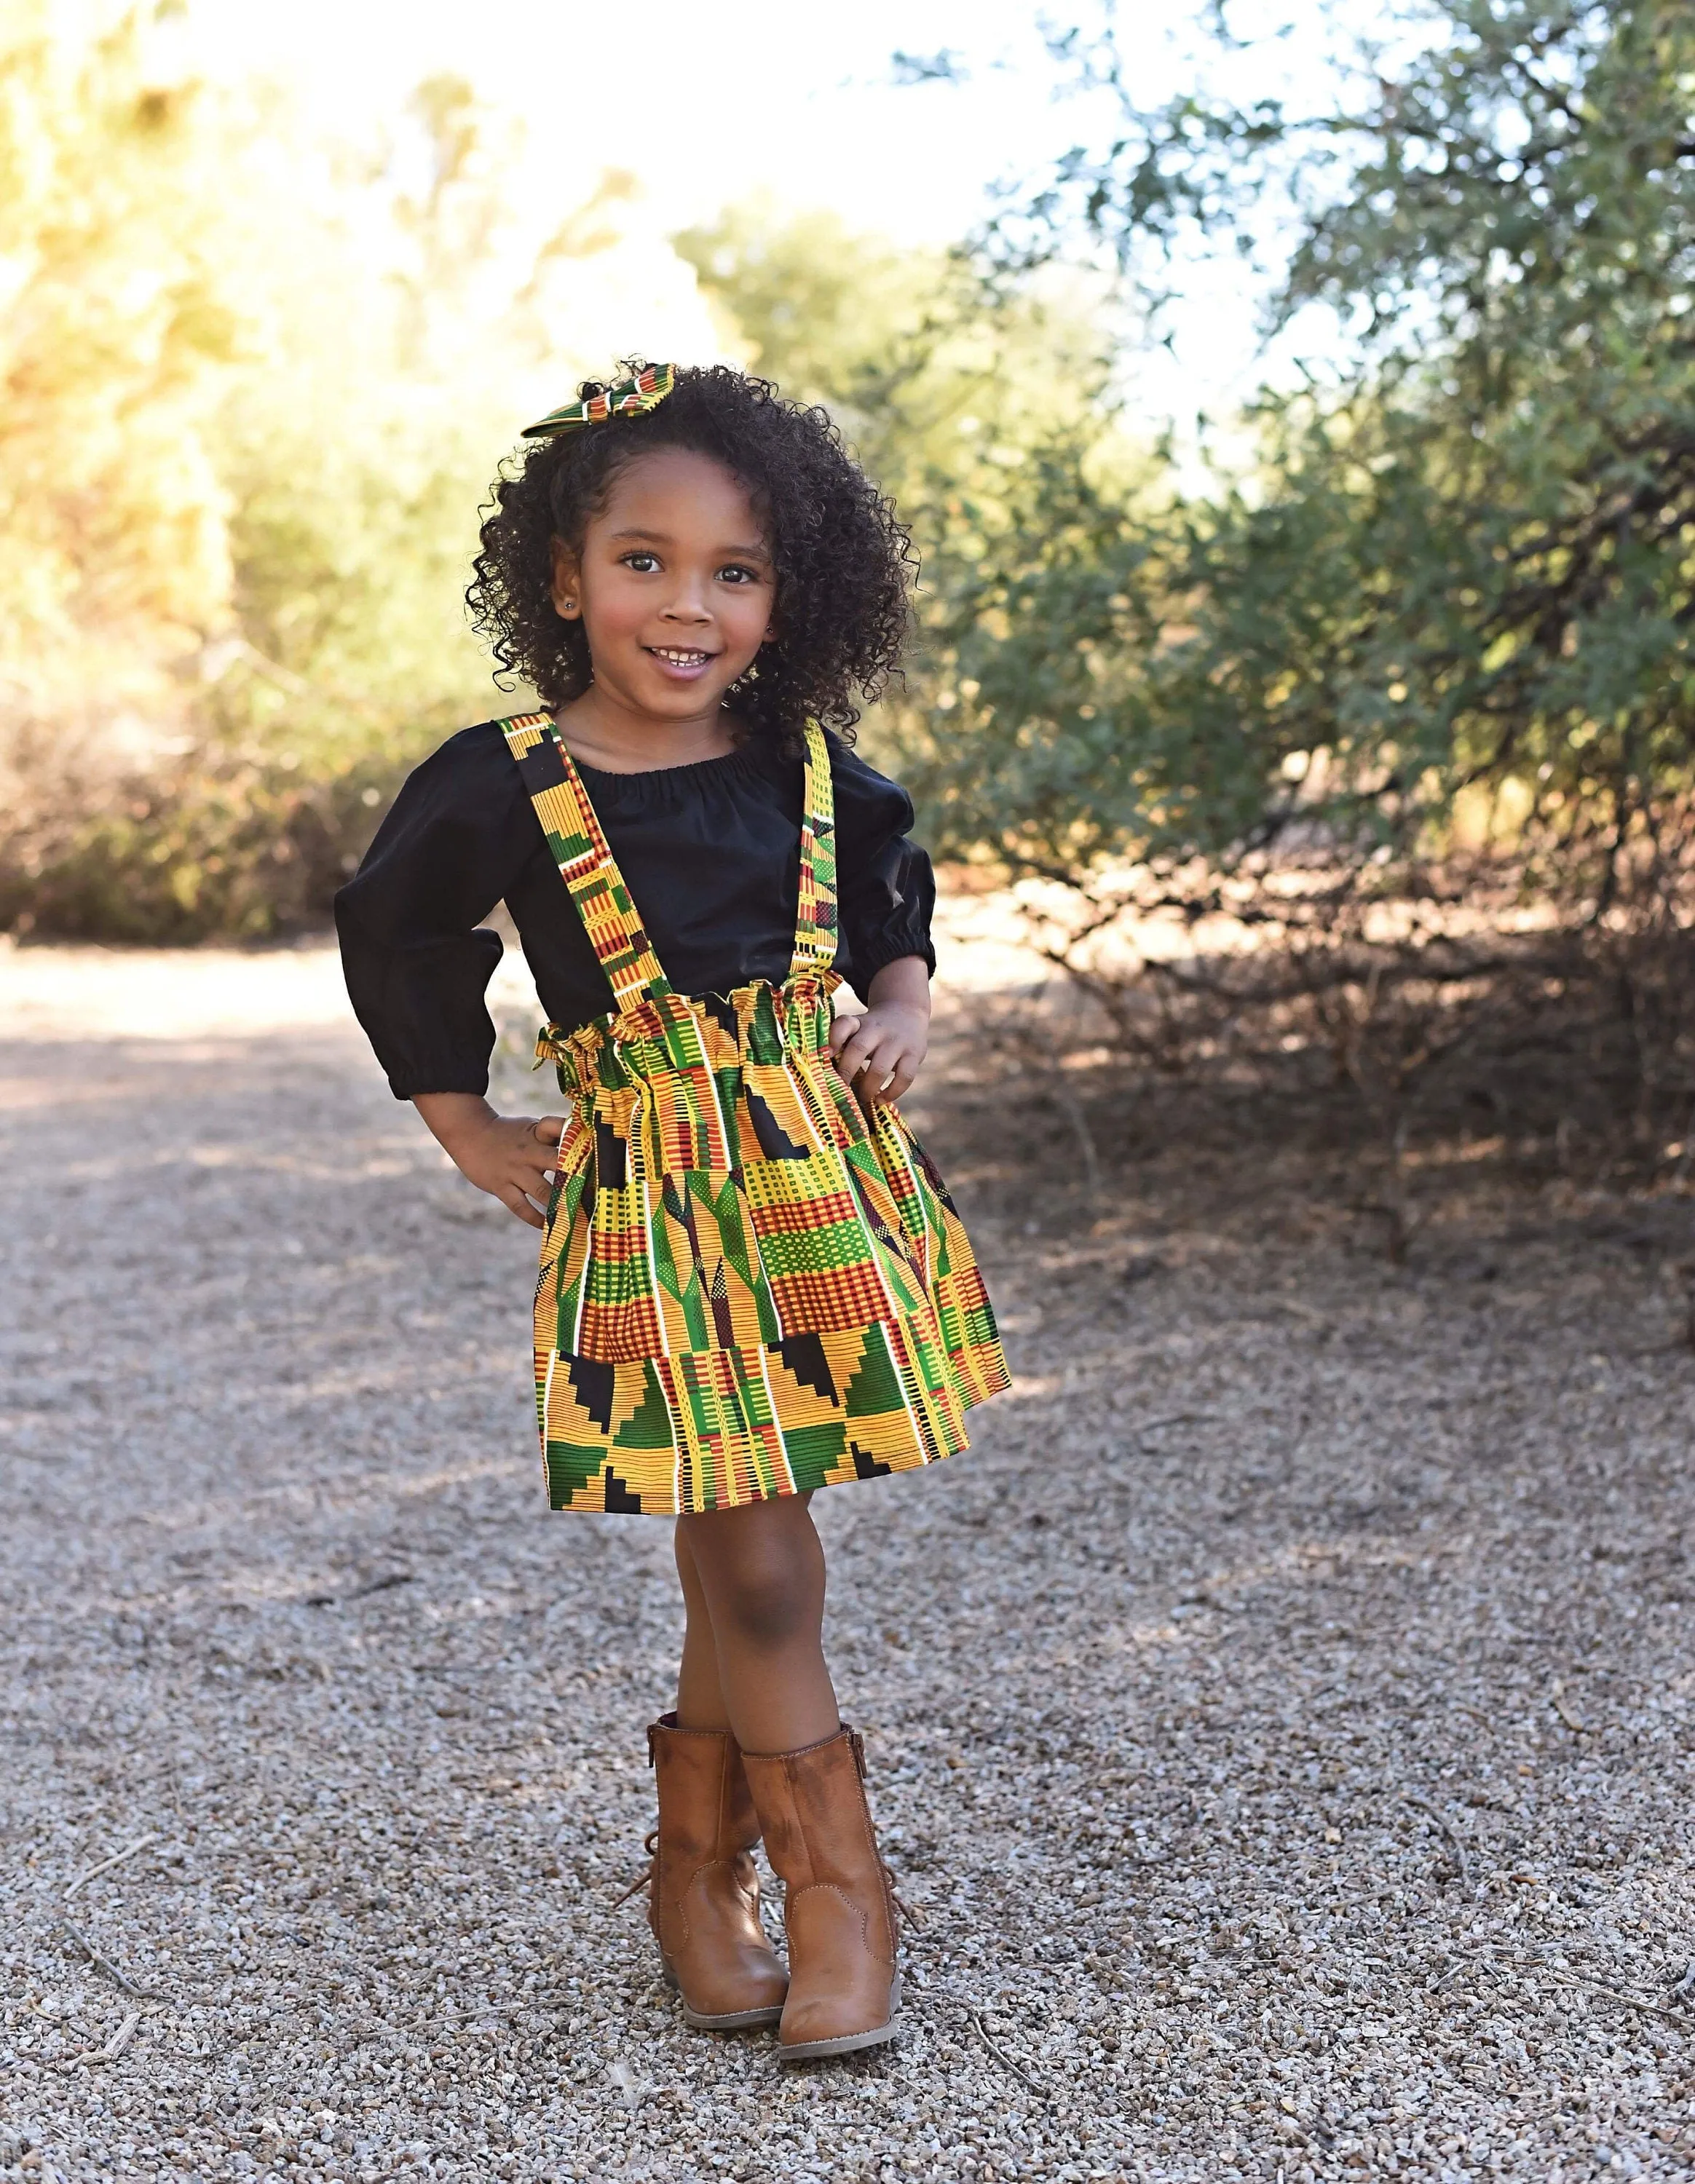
<point x="753" y="1580"/>
<point x="700" y="1697"/>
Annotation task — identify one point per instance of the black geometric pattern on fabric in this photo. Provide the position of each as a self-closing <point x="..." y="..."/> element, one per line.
<point x="618" y="1497"/>
<point x="932" y="1176"/>
<point x="594" y="1383"/>
<point x="611" y="1156"/>
<point x="542" y="768"/>
<point x="722" y="1013"/>
<point x="718" y="1295"/>
<point x="803" y="1357"/>
<point x="874" y="1221"/>
<point x="774" y="1142"/>
<point x="864" y="1464"/>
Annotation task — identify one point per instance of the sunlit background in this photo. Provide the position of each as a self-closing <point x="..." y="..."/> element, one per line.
<point x="1228" y="363"/>
<point x="281" y="284"/>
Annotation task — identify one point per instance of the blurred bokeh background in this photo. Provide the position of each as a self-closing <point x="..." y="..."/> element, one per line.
<point x="1294" y="413"/>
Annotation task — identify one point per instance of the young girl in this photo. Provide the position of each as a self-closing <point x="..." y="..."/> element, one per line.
<point x="753" y="1282"/>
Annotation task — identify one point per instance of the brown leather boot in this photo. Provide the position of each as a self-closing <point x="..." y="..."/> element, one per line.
<point x="843" y="1989"/>
<point x="703" y="1892"/>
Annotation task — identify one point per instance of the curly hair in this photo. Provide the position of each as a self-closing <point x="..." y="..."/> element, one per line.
<point x="844" y="560"/>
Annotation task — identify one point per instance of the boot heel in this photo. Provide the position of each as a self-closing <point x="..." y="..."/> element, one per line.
<point x="723" y="2020"/>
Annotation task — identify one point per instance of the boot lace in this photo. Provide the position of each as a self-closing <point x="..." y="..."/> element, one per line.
<point x="650" y="1872"/>
<point x="906" y="1910"/>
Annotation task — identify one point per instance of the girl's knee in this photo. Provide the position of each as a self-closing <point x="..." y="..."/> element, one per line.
<point x="763" y="1586"/>
<point x="767" y="1604"/>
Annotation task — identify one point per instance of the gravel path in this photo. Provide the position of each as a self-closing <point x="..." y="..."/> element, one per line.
<point x="1283" y="1718"/>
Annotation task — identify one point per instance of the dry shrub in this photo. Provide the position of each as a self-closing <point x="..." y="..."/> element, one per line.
<point x="220" y="836"/>
<point x="1389" y="1037"/>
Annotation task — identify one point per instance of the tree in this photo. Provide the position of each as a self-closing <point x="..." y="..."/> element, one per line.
<point x="244" y="432"/>
<point x="1461" y="561"/>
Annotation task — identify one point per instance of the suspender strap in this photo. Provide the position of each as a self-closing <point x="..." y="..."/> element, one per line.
<point x="815" y="924"/>
<point x="597" y="887"/>
<point x="585" y="862"/>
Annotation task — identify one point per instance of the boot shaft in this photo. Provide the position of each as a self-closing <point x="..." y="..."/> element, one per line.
<point x="843" y="1990"/>
<point x="813" y="1811"/>
<point x="705" y="1807"/>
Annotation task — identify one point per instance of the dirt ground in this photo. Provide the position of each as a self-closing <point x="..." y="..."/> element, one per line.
<point x="1283" y="1718"/>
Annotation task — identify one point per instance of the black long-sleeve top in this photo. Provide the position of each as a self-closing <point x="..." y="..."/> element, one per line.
<point x="712" y="853"/>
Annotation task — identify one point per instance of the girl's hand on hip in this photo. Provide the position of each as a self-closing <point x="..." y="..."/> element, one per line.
<point x="881" y="1052"/>
<point x="513" y="1157"/>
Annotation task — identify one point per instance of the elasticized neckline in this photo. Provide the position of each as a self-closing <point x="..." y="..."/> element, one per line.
<point x="753" y="758"/>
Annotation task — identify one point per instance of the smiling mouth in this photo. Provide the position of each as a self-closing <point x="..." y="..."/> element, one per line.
<point x="675" y="655"/>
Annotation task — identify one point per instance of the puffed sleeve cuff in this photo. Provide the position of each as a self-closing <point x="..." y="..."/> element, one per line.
<point x="888" y="913"/>
<point x="889" y="949"/>
<point x="421" y="1006"/>
<point x="416" y="957"/>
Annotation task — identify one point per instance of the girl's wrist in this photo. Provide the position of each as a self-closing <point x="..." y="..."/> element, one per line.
<point x="904" y="983"/>
<point x="453" y="1118"/>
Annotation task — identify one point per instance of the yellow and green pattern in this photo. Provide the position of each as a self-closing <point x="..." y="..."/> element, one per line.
<point x="747" y="1288"/>
<point x="625" y="398"/>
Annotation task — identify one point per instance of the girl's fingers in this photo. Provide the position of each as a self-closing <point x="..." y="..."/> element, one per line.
<point x="842" y="1030"/>
<point x="875" y="1081"/>
<point x="905" y="1070"/>
<point x="878" y="1065"/>
<point x="540" y="1149"/>
<point x="860" y="1052"/>
<point x="515" y="1201"/>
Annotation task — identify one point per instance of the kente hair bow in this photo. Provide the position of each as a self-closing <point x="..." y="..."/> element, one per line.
<point x="626" y="397"/>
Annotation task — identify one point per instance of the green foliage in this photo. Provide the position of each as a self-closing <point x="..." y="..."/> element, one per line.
<point x="241" y="496"/>
<point x="181" y="852"/>
<point x="1462" y="560"/>
<point x="338" y="437"/>
<point x="115" y="335"/>
<point x="239" y="478"/>
<point x="943" y="387"/>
